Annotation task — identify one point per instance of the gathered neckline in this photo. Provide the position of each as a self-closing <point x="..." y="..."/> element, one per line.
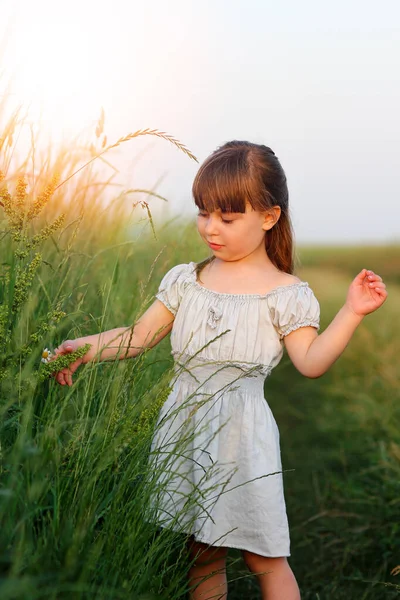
<point x="275" y="290"/>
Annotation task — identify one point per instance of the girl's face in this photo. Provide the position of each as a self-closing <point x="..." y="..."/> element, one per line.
<point x="233" y="236"/>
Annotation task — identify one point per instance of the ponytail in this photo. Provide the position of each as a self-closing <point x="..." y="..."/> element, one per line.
<point x="279" y="244"/>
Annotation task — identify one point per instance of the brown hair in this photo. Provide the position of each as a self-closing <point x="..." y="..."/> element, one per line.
<point x="241" y="171"/>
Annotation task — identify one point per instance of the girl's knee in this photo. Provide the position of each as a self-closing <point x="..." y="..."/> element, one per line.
<point x="204" y="553"/>
<point x="264" y="564"/>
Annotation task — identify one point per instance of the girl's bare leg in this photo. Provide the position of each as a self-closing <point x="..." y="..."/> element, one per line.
<point x="275" y="576"/>
<point x="207" y="576"/>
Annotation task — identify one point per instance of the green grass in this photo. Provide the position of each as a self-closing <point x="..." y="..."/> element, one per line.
<point x="74" y="477"/>
<point x="349" y="259"/>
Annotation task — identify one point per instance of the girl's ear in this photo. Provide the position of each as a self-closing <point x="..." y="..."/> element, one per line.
<point x="271" y="217"/>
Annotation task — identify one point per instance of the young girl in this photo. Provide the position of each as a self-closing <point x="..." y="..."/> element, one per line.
<point x="230" y="317"/>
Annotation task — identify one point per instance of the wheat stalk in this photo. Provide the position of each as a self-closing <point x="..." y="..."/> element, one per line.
<point x="129" y="137"/>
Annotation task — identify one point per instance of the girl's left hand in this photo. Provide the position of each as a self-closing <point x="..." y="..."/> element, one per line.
<point x="367" y="292"/>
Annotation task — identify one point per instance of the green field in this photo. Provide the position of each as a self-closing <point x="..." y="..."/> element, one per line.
<point x="73" y="478"/>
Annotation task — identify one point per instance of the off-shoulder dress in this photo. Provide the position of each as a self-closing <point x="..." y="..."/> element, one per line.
<point x="216" y="449"/>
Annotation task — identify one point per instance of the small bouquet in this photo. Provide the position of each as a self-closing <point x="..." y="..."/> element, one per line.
<point x="53" y="362"/>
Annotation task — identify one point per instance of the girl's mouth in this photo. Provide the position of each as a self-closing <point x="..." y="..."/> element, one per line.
<point x="214" y="246"/>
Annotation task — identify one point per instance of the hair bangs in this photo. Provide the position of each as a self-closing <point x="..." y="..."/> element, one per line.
<point x="223" y="183"/>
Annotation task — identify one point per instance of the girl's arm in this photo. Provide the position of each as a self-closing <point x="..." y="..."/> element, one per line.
<point x="313" y="354"/>
<point x="123" y="342"/>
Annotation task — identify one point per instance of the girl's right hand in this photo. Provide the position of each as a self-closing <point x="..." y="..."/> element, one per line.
<point x="64" y="377"/>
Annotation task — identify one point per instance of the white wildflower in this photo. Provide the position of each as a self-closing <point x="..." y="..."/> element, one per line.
<point x="46" y="355"/>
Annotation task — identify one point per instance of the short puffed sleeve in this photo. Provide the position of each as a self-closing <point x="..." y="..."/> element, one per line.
<point x="172" y="286"/>
<point x="294" y="308"/>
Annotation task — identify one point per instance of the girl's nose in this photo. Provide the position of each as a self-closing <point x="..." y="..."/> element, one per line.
<point x="211" y="226"/>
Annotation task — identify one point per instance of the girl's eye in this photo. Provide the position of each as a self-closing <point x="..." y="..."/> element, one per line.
<point x="204" y="214"/>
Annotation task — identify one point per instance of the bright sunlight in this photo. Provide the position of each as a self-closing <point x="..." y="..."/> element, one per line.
<point x="57" y="62"/>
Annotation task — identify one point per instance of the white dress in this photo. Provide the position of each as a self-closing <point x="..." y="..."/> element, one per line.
<point x="215" y="448"/>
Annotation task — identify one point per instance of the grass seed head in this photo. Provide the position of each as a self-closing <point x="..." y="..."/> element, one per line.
<point x="23" y="282"/>
<point x="43" y="198"/>
<point x="20" y="192"/>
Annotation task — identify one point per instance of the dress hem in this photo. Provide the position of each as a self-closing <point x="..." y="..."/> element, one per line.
<point x="233" y="546"/>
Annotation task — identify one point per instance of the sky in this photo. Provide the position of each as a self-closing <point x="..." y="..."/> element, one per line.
<point x="318" y="82"/>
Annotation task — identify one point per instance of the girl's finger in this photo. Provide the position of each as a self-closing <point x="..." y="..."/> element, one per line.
<point x="64" y="373"/>
<point x="65" y="348"/>
<point x="382" y="293"/>
<point x="73" y="367"/>
<point x="60" y="378"/>
<point x="68" y="378"/>
<point x="361" y="276"/>
<point x="376" y="284"/>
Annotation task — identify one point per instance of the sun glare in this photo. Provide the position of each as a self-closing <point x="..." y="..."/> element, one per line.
<point x="57" y="62"/>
